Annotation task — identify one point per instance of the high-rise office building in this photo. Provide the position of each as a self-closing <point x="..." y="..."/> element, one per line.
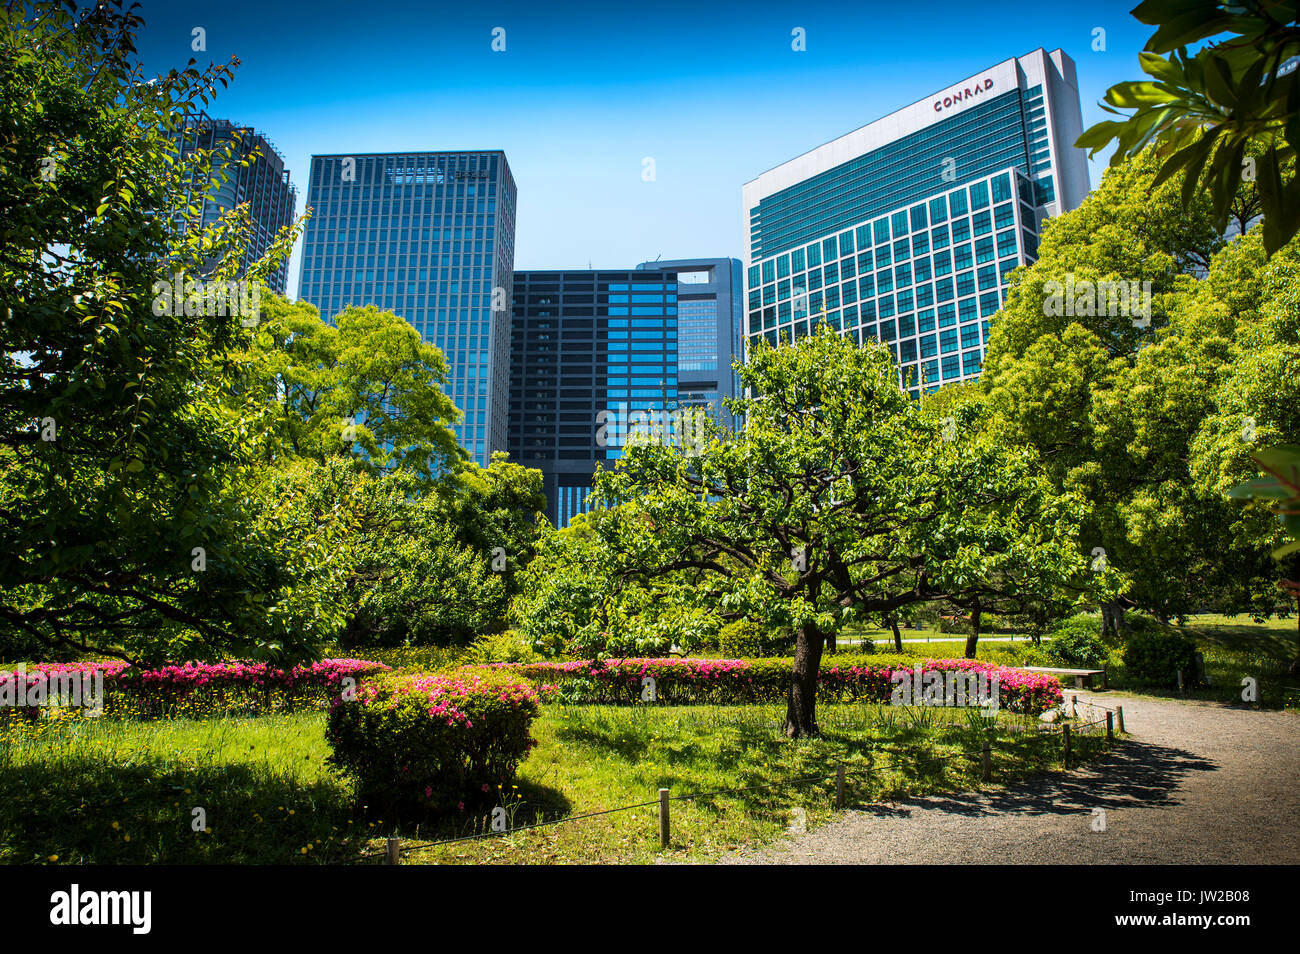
<point x="593" y="355"/>
<point x="430" y="236"/>
<point x="709" y="294"/>
<point x="903" y="230"/>
<point x="264" y="184"/>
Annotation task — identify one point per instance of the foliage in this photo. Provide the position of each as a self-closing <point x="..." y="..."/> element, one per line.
<point x="1151" y="425"/>
<point x="744" y="637"/>
<point x="864" y="678"/>
<point x="364" y="384"/>
<point x="1077" y="643"/>
<point x="839" y="502"/>
<point x="432" y="742"/>
<point x="1156" y="655"/>
<point x="507" y="647"/>
<point x="194" y="689"/>
<point x="118" y="464"/>
<point x="496" y="511"/>
<point x="1207" y="112"/>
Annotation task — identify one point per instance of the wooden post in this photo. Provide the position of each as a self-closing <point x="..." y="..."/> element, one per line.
<point x="393" y="852"/>
<point x="986" y="761"/>
<point x="1074" y="706"/>
<point x="1119" y="717"/>
<point x="1110" y="727"/>
<point x="1065" y="734"/>
<point x="663" y="818"/>
<point x="1180" y="680"/>
<point x="839" y="786"/>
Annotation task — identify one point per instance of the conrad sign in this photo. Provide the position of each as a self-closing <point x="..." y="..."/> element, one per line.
<point x="961" y="95"/>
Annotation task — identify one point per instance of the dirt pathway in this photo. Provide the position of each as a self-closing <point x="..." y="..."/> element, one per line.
<point x="1195" y="783"/>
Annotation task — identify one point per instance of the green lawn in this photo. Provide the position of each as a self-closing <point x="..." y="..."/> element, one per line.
<point x="108" y="791"/>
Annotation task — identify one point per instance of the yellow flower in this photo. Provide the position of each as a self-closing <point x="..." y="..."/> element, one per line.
<point x="54" y="858"/>
<point x="114" y="826"/>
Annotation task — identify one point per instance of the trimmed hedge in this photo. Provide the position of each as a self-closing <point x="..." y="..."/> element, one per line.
<point x="843" y="678"/>
<point x="193" y="688"/>
<point x="433" y="742"/>
<point x="1155" y="656"/>
<point x="1076" y="642"/>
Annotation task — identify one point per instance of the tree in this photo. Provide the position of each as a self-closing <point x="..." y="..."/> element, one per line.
<point x="840" y="501"/>
<point x="496" y="511"/>
<point x="127" y="507"/>
<point x="366" y="384"/>
<point x="1118" y="404"/>
<point x="1221" y="115"/>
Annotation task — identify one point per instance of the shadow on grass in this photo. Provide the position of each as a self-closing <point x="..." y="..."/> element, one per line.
<point x="86" y="812"/>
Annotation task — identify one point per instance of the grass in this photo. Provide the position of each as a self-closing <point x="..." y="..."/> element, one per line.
<point x="110" y="791"/>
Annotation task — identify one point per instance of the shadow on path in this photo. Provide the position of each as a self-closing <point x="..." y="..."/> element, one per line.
<point x="1133" y="774"/>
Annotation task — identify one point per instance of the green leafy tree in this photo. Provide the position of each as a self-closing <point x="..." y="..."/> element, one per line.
<point x="128" y="512"/>
<point x="1224" y="113"/>
<point x="366" y="384"/>
<point x="1122" y="407"/>
<point x="841" y="501"/>
<point x="496" y="511"/>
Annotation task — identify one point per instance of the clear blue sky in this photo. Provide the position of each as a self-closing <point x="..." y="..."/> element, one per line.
<point x="584" y="91"/>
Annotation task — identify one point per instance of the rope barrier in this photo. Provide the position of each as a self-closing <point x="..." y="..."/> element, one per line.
<point x="693" y="796"/>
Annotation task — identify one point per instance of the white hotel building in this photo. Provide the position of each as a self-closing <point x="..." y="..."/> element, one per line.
<point x="902" y="230"/>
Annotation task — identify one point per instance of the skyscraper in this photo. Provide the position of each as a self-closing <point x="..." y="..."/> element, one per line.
<point x="903" y="230"/>
<point x="709" y="293"/>
<point x="263" y="184"/>
<point x="593" y="353"/>
<point x="430" y="236"/>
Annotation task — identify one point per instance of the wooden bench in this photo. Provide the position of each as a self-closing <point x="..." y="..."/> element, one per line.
<point x="1079" y="674"/>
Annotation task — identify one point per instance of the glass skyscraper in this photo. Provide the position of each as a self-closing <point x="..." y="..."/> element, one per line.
<point x="263" y="185"/>
<point x="709" y="292"/>
<point x="430" y="236"/>
<point x="594" y="355"/>
<point x="902" y="231"/>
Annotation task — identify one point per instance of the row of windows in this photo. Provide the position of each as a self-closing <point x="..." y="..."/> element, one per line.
<point x="939" y="209"/>
<point x="978" y="141"/>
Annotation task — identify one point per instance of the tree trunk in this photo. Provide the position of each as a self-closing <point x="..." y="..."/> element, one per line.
<point x="831" y="639"/>
<point x="801" y="702"/>
<point x="1294" y="671"/>
<point x="898" y="637"/>
<point x="972" y="641"/>
<point x="1112" y="619"/>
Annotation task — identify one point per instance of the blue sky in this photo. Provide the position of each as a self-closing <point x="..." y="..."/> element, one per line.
<point x="584" y="92"/>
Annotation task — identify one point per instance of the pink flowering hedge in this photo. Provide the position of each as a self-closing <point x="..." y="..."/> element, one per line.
<point x="844" y="678"/>
<point x="194" y="688"/>
<point x="433" y="742"/>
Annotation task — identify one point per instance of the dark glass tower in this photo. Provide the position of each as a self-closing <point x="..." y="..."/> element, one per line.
<point x="264" y="185"/>
<point x="593" y="355"/>
<point x="430" y="236"/>
<point x="709" y="295"/>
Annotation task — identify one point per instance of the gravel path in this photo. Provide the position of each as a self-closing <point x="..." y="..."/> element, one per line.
<point x="1194" y="783"/>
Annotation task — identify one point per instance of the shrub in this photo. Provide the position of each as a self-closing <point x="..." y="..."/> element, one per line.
<point x="746" y="638"/>
<point x="433" y="742"/>
<point x="1077" y="642"/>
<point x="198" y="689"/>
<point x="1017" y="654"/>
<point x="843" y="677"/>
<point x="503" y="647"/>
<point x="1156" y="656"/>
